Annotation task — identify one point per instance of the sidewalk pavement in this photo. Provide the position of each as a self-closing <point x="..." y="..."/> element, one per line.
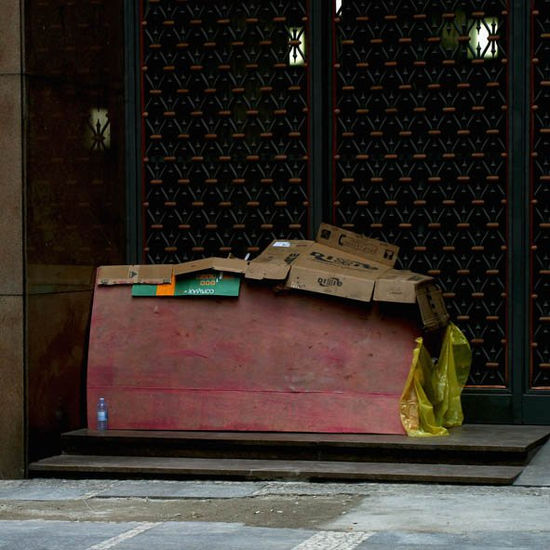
<point x="215" y="515"/>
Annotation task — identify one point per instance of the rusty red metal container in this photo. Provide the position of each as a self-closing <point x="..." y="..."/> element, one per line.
<point x="291" y="362"/>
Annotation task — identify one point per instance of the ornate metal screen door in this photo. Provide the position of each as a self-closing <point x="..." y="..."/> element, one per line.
<point x="419" y="139"/>
<point x="225" y="126"/>
<point x="539" y="373"/>
<point x="420" y="150"/>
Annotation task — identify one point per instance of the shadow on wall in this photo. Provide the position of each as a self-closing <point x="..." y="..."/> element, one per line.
<point x="75" y="197"/>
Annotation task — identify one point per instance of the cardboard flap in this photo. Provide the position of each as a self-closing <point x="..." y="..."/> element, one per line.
<point x="397" y="285"/>
<point x="326" y="258"/>
<point x="329" y="271"/>
<point x="432" y="307"/>
<point x="348" y="285"/>
<point x="154" y="274"/>
<point x="267" y="271"/>
<point x="359" y="245"/>
<point x="275" y="261"/>
<point x="232" y="265"/>
<point x="199" y="284"/>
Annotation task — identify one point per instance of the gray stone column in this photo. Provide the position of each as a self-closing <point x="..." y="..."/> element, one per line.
<point x="12" y="357"/>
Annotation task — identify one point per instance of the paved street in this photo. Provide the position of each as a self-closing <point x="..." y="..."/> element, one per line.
<point x="58" y="514"/>
<point x="44" y="514"/>
<point x="63" y="535"/>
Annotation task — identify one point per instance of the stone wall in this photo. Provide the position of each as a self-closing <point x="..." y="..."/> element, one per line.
<point x="12" y="416"/>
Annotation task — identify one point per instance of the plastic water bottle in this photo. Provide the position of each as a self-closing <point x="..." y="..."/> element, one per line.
<point x="101" y="415"/>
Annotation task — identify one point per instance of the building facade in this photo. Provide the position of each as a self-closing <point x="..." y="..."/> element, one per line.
<point x="165" y="130"/>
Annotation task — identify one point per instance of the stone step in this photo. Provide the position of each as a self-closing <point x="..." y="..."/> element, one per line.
<point x="179" y="467"/>
<point x="469" y="444"/>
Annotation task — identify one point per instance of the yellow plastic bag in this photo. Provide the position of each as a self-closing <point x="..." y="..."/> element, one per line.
<point x="430" y="402"/>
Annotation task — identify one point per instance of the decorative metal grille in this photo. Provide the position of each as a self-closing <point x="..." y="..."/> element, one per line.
<point x="540" y="195"/>
<point x="225" y="123"/>
<point x="420" y="150"/>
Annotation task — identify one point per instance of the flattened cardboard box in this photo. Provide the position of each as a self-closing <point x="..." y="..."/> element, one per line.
<point x="154" y="274"/>
<point x="399" y="285"/>
<point x="275" y="261"/>
<point x="432" y="307"/>
<point x="199" y="284"/>
<point x="207" y="277"/>
<point x="358" y="245"/>
<point x="162" y="279"/>
<point x="343" y="263"/>
<point x="231" y="265"/>
<point x="329" y="271"/>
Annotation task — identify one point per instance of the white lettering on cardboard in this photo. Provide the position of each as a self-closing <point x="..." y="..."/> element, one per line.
<point x="200" y="291"/>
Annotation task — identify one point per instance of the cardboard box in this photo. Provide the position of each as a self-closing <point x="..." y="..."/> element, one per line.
<point x="207" y="277"/>
<point x="275" y="261"/>
<point x="358" y="245"/>
<point x="229" y="265"/>
<point x="201" y="284"/>
<point x="343" y="263"/>
<point x="154" y="274"/>
<point x="396" y="285"/>
<point x="329" y="271"/>
<point x="338" y="263"/>
<point x="432" y="307"/>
